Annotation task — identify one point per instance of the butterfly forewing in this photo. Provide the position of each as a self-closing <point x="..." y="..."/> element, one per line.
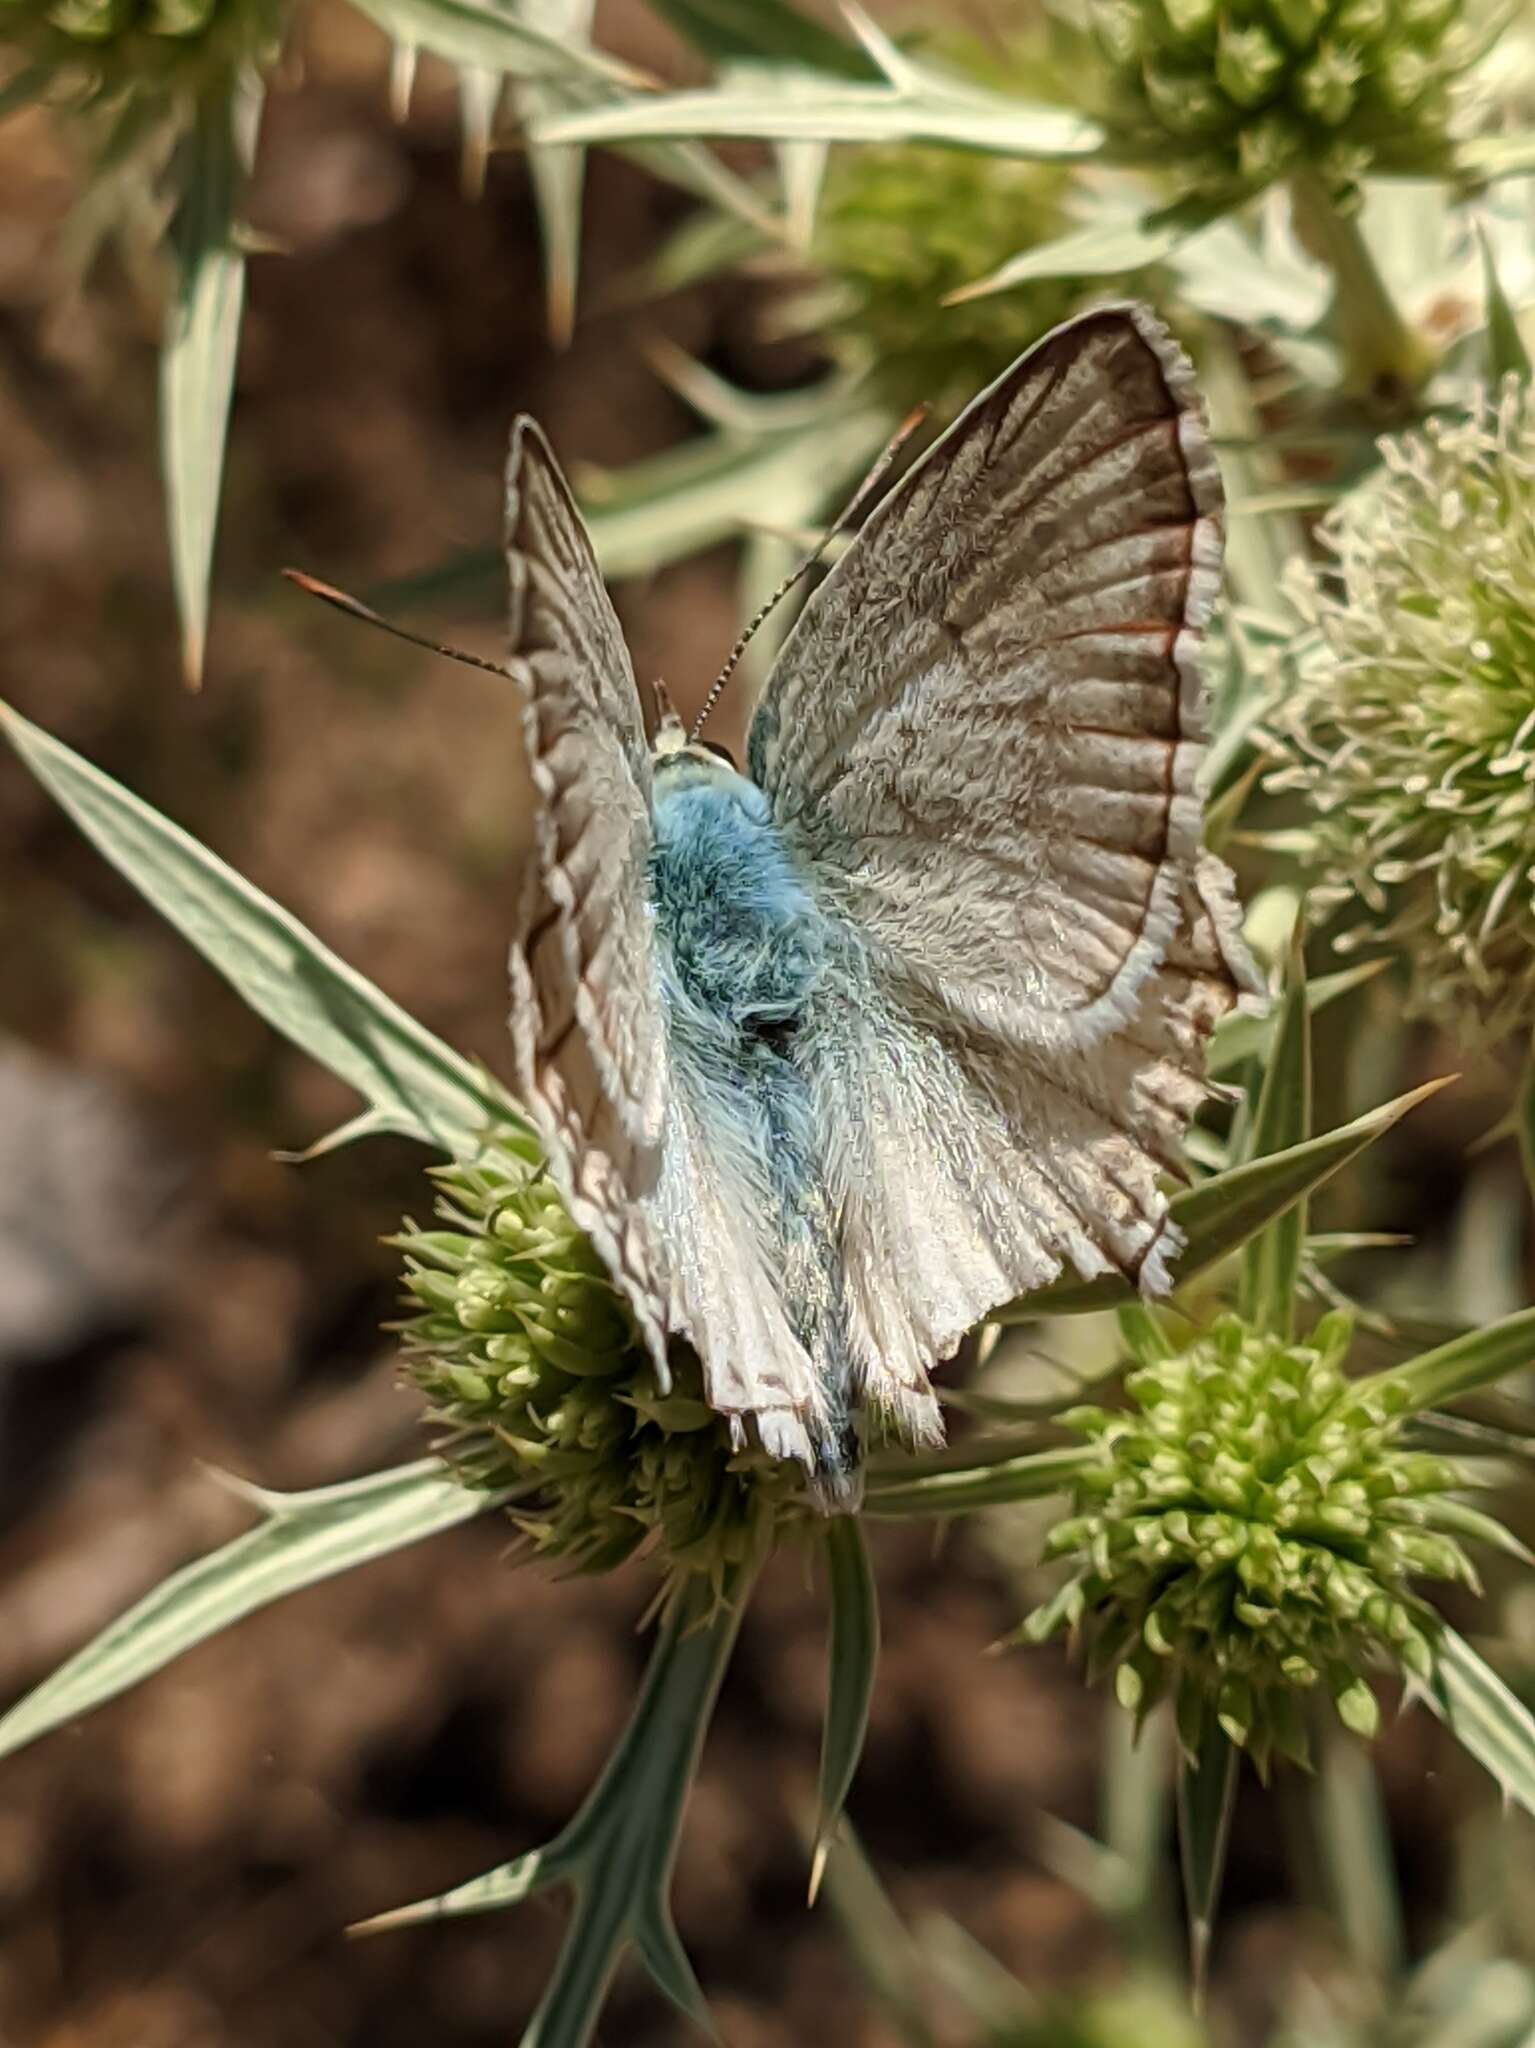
<point x="982" y="738"/>
<point x="628" y="1144"/>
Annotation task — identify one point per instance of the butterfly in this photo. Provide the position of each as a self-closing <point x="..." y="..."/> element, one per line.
<point x="835" y="1056"/>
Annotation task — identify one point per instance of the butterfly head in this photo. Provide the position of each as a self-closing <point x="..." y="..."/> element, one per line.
<point x="682" y="761"/>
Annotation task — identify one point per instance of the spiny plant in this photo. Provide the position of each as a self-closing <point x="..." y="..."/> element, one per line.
<point x="536" y="1392"/>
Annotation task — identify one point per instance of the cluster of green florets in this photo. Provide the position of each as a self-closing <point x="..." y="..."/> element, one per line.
<point x="1235" y="93"/>
<point x="1410" y="714"/>
<point x="901" y="226"/>
<point x="541" y="1390"/>
<point x="1248" y="1535"/>
<point x="110" y="50"/>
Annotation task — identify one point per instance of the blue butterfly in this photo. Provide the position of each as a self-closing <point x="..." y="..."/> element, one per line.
<point x="834" y="1057"/>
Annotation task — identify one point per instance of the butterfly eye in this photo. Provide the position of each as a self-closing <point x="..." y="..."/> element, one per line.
<point x="713" y="747"/>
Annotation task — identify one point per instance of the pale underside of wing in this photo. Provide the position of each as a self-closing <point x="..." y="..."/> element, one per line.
<point x="626" y="1145"/>
<point x="982" y="739"/>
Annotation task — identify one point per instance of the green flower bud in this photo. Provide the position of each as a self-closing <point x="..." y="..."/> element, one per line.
<point x="1408" y="715"/>
<point x="1248" y="1531"/>
<point x="161" y="54"/>
<point x="1246" y="91"/>
<point x="540" y="1389"/>
<point x="1327" y="85"/>
<point x="1247" y="63"/>
<point x="902" y="226"/>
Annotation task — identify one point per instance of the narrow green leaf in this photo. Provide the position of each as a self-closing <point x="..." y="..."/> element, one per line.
<point x="305" y="1537"/>
<point x="805" y="105"/>
<point x="202" y="332"/>
<point x="697" y="495"/>
<point x="1524" y="1118"/>
<point x="1206" y="1800"/>
<point x="1240" y="1036"/>
<point x="1143" y="1334"/>
<point x="960" y="1490"/>
<point x="1459" y="1518"/>
<point x="1136" y="1784"/>
<point x="1221" y="815"/>
<point x="617" y="1853"/>
<point x="1223" y="1212"/>
<point x="1355" y="1844"/>
<point x="411" y="1079"/>
<point x="1487" y="157"/>
<point x="1271" y="1259"/>
<point x="515" y="44"/>
<point x="880" y="1942"/>
<point x="771" y="31"/>
<point x="983" y="1989"/>
<point x="1457" y="1368"/>
<point x="661" y="1951"/>
<point x="1506" y="352"/>
<point x="1485" y="1718"/>
<point x="1103" y="249"/>
<point x="853" y="1654"/>
<point x="557" y="172"/>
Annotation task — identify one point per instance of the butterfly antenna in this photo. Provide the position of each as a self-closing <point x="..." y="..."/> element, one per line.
<point x="356" y="609"/>
<point x="849" y="512"/>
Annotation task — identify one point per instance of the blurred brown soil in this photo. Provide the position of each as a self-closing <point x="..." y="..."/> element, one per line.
<point x="176" y="1871"/>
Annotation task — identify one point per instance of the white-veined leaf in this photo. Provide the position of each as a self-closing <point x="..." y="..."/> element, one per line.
<point x="1102" y="249"/>
<point x="1488" y="1721"/>
<point x="416" y="1085"/>
<point x="812" y="108"/>
<point x="305" y="1537"/>
<point x="852" y="1655"/>
<point x="202" y="335"/>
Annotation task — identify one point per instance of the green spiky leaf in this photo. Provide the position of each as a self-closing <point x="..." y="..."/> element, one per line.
<point x="1102" y="249"/>
<point x="807" y="105"/>
<point x="301" y="1539"/>
<point x="765" y="31"/>
<point x="1207" y="1789"/>
<point x="202" y="333"/>
<point x="1272" y="1259"/>
<point x="852" y="1657"/>
<point x="1486" y="1719"/>
<point x="617" y="1854"/>
<point x="1223" y="1212"/>
<point x="416" y="1086"/>
<point x="1506" y="352"/>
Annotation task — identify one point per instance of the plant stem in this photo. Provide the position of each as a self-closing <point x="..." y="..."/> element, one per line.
<point x="1386" y="361"/>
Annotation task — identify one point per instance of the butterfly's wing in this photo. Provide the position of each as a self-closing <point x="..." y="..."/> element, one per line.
<point x="627" y="1149"/>
<point x="981" y="740"/>
<point x="588" y="1043"/>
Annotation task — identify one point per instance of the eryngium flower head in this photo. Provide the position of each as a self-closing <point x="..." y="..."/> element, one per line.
<point x="1411" y="722"/>
<point x="902" y="225"/>
<point x="144" y="50"/>
<point x="1234" y="93"/>
<point x="541" y="1390"/>
<point x="1248" y="1533"/>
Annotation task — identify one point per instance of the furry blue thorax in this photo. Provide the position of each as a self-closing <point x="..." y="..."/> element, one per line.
<point x="742" y="946"/>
